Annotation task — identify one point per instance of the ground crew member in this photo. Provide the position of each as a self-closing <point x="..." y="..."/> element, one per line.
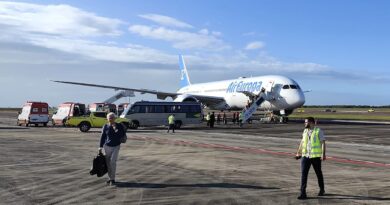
<point x="240" y="118"/>
<point x="171" y="123"/>
<point x="208" y="119"/>
<point x="212" y="120"/>
<point x="312" y="150"/>
<point x="224" y="119"/>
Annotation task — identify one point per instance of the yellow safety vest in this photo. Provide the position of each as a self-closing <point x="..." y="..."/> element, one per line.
<point x="316" y="149"/>
<point x="207" y="117"/>
<point x="171" y="120"/>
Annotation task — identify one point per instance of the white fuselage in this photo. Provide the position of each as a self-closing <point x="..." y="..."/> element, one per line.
<point x="286" y="93"/>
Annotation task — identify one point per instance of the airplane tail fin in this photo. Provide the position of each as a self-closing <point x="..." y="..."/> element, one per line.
<point x="184" y="79"/>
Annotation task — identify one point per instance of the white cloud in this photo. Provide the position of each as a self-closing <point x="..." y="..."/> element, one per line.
<point x="181" y="39"/>
<point x="70" y="30"/>
<point x="255" y="45"/>
<point x="58" y="20"/>
<point x="204" y="31"/>
<point x="216" y="33"/>
<point x="166" y="20"/>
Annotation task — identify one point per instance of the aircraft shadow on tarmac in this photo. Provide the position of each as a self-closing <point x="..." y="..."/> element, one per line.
<point x="209" y="185"/>
<point x="353" y="197"/>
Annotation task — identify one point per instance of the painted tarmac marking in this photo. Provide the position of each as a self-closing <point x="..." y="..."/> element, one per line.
<point x="254" y="150"/>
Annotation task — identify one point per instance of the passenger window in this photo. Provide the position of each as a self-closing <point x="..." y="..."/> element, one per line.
<point x="159" y="109"/>
<point x="142" y="109"/>
<point x="135" y="109"/>
<point x="150" y="109"/>
<point x="286" y="87"/>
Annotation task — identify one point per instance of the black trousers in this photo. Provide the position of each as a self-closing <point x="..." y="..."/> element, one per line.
<point x="171" y="127"/>
<point x="305" y="167"/>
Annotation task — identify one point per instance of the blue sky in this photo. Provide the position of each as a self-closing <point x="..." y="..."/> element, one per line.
<point x="338" y="49"/>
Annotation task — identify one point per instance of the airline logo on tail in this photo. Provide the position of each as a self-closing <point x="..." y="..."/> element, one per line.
<point x="184" y="79"/>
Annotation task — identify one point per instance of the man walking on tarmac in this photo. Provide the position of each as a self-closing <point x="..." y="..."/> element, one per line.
<point x="171" y="123"/>
<point x="312" y="150"/>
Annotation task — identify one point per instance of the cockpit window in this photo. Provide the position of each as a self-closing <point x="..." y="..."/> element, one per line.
<point x="293" y="87"/>
<point x="286" y="87"/>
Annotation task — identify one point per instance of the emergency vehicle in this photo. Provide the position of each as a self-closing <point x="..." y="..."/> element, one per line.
<point x="34" y="113"/>
<point x="66" y="110"/>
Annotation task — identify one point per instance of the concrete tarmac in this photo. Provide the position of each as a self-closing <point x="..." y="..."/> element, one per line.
<point x="195" y="165"/>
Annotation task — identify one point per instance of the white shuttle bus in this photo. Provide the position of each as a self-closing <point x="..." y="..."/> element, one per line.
<point x="145" y="113"/>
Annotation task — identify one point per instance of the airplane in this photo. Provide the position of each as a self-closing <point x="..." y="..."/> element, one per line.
<point x="233" y="94"/>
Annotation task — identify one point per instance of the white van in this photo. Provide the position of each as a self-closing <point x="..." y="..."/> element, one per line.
<point x="67" y="110"/>
<point x="34" y="113"/>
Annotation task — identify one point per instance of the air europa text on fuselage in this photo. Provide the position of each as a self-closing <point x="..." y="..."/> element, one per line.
<point x="244" y="86"/>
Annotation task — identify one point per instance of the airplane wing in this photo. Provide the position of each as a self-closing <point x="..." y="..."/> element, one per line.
<point x="207" y="100"/>
<point x="160" y="95"/>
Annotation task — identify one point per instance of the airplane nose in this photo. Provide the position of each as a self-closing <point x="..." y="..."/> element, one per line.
<point x="297" y="100"/>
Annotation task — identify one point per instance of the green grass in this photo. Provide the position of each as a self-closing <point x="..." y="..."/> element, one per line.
<point x="380" y="114"/>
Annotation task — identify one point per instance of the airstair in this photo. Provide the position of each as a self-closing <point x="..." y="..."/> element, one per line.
<point x="119" y="95"/>
<point x="265" y="94"/>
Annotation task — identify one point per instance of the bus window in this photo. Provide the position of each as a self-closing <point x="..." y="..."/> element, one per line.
<point x="142" y="109"/>
<point x="159" y="109"/>
<point x="149" y="109"/>
<point x="195" y="109"/>
<point x="184" y="108"/>
<point x="168" y="108"/>
<point x="134" y="109"/>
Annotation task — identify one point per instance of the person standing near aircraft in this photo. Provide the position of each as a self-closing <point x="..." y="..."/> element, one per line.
<point x="224" y="119"/>
<point x="312" y="150"/>
<point x="212" y="120"/>
<point x="240" y="118"/>
<point x="110" y="140"/>
<point x="171" y="123"/>
<point x="208" y="119"/>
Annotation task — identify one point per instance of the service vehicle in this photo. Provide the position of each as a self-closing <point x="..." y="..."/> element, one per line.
<point x="66" y="110"/>
<point x="94" y="119"/>
<point x="145" y="113"/>
<point x="34" y="113"/>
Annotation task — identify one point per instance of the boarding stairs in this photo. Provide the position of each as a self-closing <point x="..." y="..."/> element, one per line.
<point x="119" y="95"/>
<point x="265" y="94"/>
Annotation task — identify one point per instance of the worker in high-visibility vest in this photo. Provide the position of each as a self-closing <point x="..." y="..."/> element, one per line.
<point x="312" y="150"/>
<point x="241" y="118"/>
<point x="208" y="119"/>
<point x="171" y="123"/>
